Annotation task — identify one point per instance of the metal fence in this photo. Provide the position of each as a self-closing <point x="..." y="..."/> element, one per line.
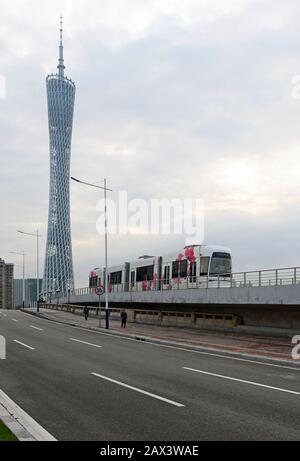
<point x="259" y="278"/>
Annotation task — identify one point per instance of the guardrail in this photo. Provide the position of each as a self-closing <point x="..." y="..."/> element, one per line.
<point x="258" y="278"/>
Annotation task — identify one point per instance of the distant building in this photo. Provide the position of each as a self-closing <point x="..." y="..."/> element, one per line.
<point x="30" y="292"/>
<point x="18" y="293"/>
<point x="6" y="285"/>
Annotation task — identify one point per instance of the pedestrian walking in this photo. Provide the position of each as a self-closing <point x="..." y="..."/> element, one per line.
<point x="86" y="312"/>
<point x="123" y="319"/>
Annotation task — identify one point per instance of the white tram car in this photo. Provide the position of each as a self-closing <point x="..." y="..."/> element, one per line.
<point x="192" y="267"/>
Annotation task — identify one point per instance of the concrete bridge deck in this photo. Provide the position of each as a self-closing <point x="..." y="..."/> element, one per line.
<point x="269" y="298"/>
<point x="280" y="295"/>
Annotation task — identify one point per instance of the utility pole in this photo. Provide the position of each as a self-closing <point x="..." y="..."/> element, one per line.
<point x="106" y="244"/>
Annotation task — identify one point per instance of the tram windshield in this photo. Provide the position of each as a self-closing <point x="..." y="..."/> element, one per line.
<point x="220" y="264"/>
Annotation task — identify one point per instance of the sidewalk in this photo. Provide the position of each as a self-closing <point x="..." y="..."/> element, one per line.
<point x="255" y="345"/>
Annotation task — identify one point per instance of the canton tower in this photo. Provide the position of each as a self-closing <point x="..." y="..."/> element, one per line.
<point x="58" y="270"/>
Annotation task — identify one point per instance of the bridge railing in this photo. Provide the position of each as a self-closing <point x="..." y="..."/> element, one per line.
<point x="268" y="277"/>
<point x="258" y="278"/>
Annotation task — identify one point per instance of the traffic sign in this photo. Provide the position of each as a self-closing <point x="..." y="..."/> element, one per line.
<point x="100" y="290"/>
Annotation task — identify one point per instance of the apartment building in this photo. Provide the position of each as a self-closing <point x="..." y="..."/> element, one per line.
<point x="6" y="285"/>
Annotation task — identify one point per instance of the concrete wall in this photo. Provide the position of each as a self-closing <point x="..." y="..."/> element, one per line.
<point x="273" y="307"/>
<point x="166" y="318"/>
<point x="281" y="295"/>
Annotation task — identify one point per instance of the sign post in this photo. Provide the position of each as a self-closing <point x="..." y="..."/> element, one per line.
<point x="100" y="291"/>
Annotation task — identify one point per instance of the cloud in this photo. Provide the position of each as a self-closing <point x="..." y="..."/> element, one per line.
<point x="174" y="99"/>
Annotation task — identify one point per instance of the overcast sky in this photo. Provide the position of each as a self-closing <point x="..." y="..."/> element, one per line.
<point x="175" y="98"/>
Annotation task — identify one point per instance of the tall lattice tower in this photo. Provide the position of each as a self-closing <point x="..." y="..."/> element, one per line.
<point x="58" y="270"/>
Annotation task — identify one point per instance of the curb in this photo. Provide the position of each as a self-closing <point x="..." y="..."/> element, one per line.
<point x="227" y="353"/>
<point x="23" y="426"/>
<point x="14" y="426"/>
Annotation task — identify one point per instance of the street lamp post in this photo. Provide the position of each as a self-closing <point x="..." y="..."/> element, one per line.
<point x="37" y="235"/>
<point x="23" y="270"/>
<point x="57" y="297"/>
<point x="106" y="245"/>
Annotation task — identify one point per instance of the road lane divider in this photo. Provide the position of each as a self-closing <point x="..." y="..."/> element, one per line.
<point x="141" y="391"/>
<point x="288" y="391"/>
<point x="36" y="328"/>
<point x="15" y="320"/>
<point x="24" y="345"/>
<point x="84" y="342"/>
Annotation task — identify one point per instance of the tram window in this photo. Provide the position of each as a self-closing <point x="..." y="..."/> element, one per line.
<point x="193" y="272"/>
<point x="132" y="278"/>
<point x="116" y="278"/>
<point x="220" y="264"/>
<point x="144" y="273"/>
<point x="167" y="275"/>
<point x="179" y="269"/>
<point x="175" y="269"/>
<point x="183" y="268"/>
<point x="204" y="265"/>
<point x="93" y="282"/>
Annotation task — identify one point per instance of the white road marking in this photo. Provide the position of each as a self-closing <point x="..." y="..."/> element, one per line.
<point x="179" y="348"/>
<point x="31" y="426"/>
<point x="25" y="345"/>
<point x="171" y="402"/>
<point x="36" y="328"/>
<point x="15" y="320"/>
<point x="5" y="315"/>
<point x="242" y="381"/>
<point x="239" y="359"/>
<point x="84" y="342"/>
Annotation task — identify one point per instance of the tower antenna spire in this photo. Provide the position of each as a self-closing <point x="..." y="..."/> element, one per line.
<point x="61" y="66"/>
<point x="61" y="29"/>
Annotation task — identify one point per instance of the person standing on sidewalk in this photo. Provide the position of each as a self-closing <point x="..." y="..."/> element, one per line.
<point x="123" y="318"/>
<point x="86" y="312"/>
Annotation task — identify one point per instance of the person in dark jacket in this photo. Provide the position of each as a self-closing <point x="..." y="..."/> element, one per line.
<point x="123" y="319"/>
<point x="86" y="312"/>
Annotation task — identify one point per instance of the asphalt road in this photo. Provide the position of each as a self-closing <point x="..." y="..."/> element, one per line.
<point x="85" y="385"/>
